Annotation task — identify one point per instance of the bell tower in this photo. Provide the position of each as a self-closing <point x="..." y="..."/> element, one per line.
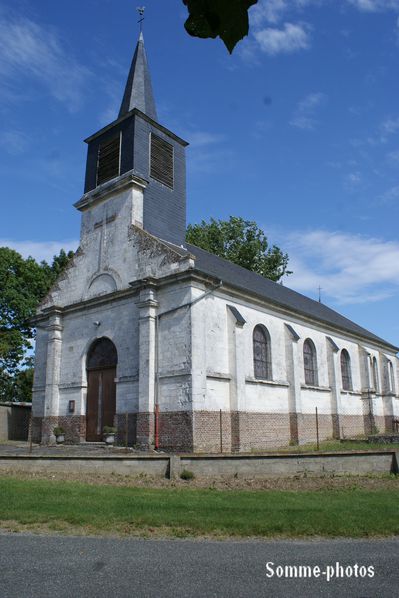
<point x="136" y="150"/>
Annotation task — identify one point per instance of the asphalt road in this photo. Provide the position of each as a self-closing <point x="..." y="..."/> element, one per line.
<point x="44" y="566"/>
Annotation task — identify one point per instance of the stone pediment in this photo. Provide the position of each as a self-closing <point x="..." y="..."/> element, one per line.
<point x="99" y="269"/>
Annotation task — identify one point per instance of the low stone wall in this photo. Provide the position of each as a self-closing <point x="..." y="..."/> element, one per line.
<point x="247" y="466"/>
<point x="133" y="466"/>
<point x="213" y="466"/>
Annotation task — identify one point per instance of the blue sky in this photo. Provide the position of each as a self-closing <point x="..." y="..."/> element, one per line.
<point x="298" y="130"/>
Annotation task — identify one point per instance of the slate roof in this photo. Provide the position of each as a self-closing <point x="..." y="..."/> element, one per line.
<point x="275" y="293"/>
<point x="138" y="91"/>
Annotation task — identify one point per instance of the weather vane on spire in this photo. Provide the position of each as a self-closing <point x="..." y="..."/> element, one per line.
<point x="140" y="10"/>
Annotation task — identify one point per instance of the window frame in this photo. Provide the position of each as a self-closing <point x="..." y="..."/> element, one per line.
<point x="375" y="375"/>
<point x="346" y="370"/>
<point x="311" y="373"/>
<point x="263" y="372"/>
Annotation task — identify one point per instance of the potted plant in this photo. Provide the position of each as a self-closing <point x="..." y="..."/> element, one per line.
<point x="59" y="434"/>
<point x="109" y="435"/>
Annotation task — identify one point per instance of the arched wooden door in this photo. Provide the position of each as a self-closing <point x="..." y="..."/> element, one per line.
<point x="102" y="360"/>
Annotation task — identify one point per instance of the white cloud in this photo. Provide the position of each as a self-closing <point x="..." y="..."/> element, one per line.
<point x="304" y="115"/>
<point x="14" y="142"/>
<point x="390" y="126"/>
<point x="202" y="138"/>
<point x="393" y="157"/>
<point x="350" y="268"/>
<point x="202" y="156"/>
<point x="291" y="38"/>
<point x="391" y="195"/>
<point x="375" y="5"/>
<point x="273" y="11"/>
<point x="352" y="181"/>
<point x="274" y="38"/>
<point x="40" y="250"/>
<point x="30" y="51"/>
<point x="270" y="11"/>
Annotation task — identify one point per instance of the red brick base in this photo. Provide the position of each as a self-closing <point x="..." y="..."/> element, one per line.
<point x="126" y="425"/>
<point x="74" y="426"/>
<point x="215" y="432"/>
<point x="239" y="432"/>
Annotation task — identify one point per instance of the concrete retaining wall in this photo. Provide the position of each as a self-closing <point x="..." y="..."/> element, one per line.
<point x="290" y="465"/>
<point x="214" y="466"/>
<point x="152" y="466"/>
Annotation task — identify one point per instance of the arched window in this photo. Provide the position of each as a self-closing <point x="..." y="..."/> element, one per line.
<point x="102" y="354"/>
<point x="262" y="353"/>
<point x="310" y="363"/>
<point x="374" y="368"/>
<point x="346" y="370"/>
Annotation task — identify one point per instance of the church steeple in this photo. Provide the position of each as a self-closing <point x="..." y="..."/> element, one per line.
<point x="136" y="152"/>
<point x="138" y="91"/>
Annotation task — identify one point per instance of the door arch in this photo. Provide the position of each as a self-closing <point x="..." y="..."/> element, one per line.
<point x="102" y="359"/>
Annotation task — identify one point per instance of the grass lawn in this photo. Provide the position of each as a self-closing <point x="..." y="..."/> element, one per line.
<point x="185" y="512"/>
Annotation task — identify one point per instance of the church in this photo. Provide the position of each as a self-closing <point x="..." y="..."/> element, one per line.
<point x="179" y="349"/>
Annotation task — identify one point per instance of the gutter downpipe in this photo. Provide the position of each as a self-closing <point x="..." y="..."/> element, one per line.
<point x="157" y="318"/>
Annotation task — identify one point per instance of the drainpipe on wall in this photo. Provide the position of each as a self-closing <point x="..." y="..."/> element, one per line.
<point x="157" y="319"/>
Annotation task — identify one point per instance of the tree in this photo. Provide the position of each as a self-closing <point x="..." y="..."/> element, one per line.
<point x="242" y="242"/>
<point x="227" y="19"/>
<point x="24" y="283"/>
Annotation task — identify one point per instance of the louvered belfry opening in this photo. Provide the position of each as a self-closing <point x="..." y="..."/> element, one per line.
<point x="108" y="160"/>
<point x="161" y="161"/>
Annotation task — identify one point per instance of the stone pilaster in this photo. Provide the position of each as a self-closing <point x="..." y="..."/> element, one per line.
<point x="198" y="349"/>
<point x="367" y="392"/>
<point x="294" y="381"/>
<point x="334" y="381"/>
<point x="147" y="364"/>
<point x="387" y="396"/>
<point x="237" y="378"/>
<point x="54" y="347"/>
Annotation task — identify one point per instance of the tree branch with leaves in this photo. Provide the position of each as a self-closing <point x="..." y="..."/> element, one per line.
<point x="227" y="19"/>
<point x="24" y="283"/>
<point x="241" y="242"/>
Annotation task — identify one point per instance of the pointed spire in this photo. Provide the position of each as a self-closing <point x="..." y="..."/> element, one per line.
<point x="138" y="91"/>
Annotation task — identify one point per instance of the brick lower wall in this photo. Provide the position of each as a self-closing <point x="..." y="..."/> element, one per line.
<point x="126" y="425"/>
<point x="239" y="431"/>
<point x="75" y="428"/>
<point x="176" y="431"/>
<point x="308" y="429"/>
<point x="145" y="430"/>
<point x="352" y="425"/>
<point x="215" y="432"/>
<point x="73" y="425"/>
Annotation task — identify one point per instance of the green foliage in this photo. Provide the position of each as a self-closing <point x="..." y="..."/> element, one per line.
<point x="109" y="430"/>
<point x="25" y="283"/>
<point x="242" y="242"/>
<point x="17" y="387"/>
<point x="227" y="19"/>
<point x="59" y="431"/>
<point x="187" y="475"/>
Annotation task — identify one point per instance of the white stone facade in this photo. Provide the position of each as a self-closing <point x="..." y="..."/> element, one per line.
<point x="180" y="347"/>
